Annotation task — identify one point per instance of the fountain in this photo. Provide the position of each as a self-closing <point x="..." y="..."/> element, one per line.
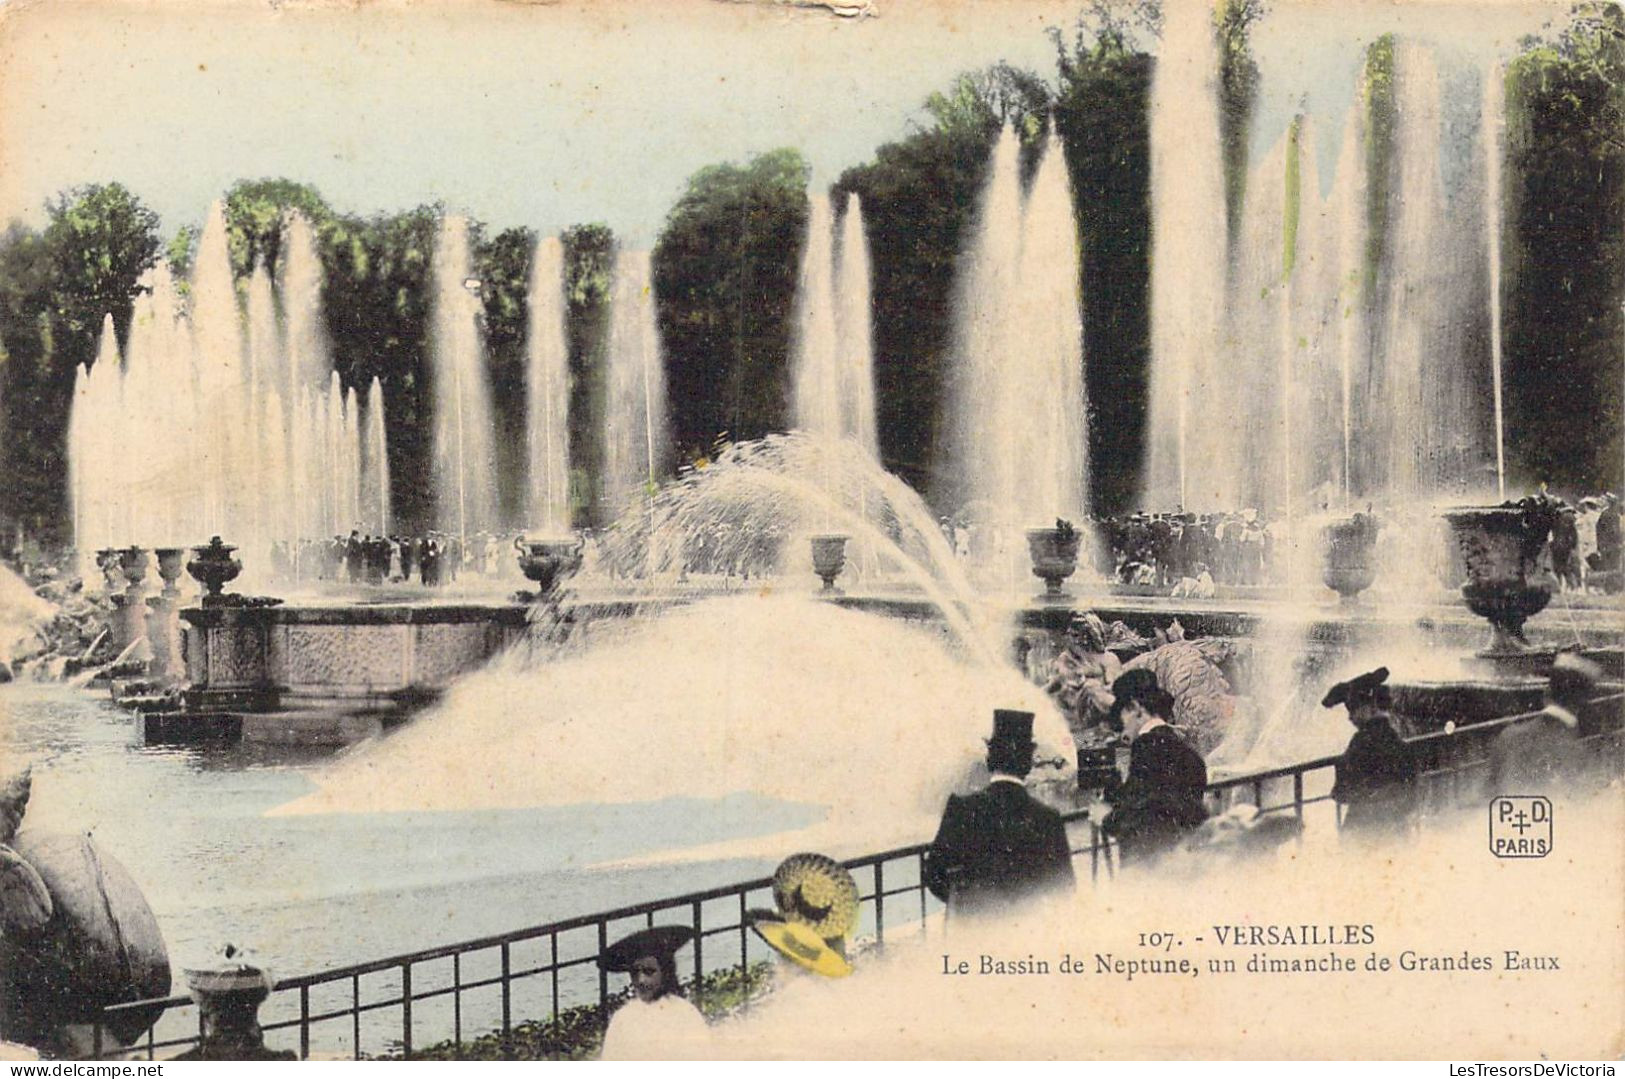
<point x="547" y="393"/>
<point x="243" y="429"/>
<point x="1017" y="425"/>
<point x="1186" y="460"/>
<point x="464" y="462"/>
<point x="853" y="332"/>
<point x="635" y="416"/>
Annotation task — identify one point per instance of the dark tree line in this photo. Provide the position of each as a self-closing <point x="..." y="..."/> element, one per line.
<point x="726" y="263"/>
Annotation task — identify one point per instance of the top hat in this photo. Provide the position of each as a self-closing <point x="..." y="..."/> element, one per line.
<point x="660" y="940"/>
<point x="1357" y="690"/>
<point x="1012" y="727"/>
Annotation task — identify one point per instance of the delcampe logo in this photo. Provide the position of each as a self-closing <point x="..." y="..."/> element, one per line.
<point x="1520" y="826"/>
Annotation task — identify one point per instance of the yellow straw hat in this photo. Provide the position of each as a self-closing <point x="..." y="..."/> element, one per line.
<point x="799" y="944"/>
<point x="816" y="891"/>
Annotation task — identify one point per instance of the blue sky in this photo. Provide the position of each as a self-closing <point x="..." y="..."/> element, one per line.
<point x="549" y="115"/>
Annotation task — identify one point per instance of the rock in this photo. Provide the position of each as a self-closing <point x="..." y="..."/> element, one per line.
<point x="25" y="904"/>
<point x="14" y="792"/>
<point x="101" y="946"/>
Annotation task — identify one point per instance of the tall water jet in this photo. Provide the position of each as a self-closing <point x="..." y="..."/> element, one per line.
<point x="464" y="461"/>
<point x="984" y="346"/>
<point x="375" y="463"/>
<point x="217" y="330"/>
<point x="815" y="360"/>
<point x="635" y="414"/>
<point x="1017" y="394"/>
<point x="1189" y="450"/>
<point x="854" y="331"/>
<point x="547" y="393"/>
<point x="307" y="362"/>
<point x="1492" y="127"/>
<point x="1047" y="391"/>
<point x="350" y="458"/>
<point x="1349" y="200"/>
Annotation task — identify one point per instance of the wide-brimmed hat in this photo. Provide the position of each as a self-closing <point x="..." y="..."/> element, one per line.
<point x="798" y="943"/>
<point x="660" y="941"/>
<point x="816" y="891"/>
<point x="1358" y="689"/>
<point x="1012" y="727"/>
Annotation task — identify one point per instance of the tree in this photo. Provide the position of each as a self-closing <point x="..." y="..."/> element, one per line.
<point x="502" y="264"/>
<point x="1102" y="114"/>
<point x="724" y="275"/>
<point x="589" y="277"/>
<point x="1565" y="251"/>
<point x="101" y="240"/>
<point x="256" y="211"/>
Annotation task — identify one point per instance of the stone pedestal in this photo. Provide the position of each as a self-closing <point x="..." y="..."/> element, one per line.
<point x="228" y="1002"/>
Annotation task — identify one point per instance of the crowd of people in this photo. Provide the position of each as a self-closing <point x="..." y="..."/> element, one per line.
<point x="432" y="559"/>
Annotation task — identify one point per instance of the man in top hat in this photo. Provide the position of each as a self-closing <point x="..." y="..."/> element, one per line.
<point x="1543" y="754"/>
<point x="1161" y="799"/>
<point x="1376" y="776"/>
<point x="999" y="845"/>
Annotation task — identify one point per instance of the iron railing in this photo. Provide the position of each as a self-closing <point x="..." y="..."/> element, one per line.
<point x="547" y="968"/>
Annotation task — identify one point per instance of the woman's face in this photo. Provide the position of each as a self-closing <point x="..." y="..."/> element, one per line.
<point x="646" y="978"/>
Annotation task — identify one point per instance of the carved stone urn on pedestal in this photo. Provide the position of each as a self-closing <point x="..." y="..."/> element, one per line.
<point x="1508" y="564"/>
<point x="829" y="558"/>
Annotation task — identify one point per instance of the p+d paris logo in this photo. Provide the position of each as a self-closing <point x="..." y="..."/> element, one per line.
<point x="1520" y="826"/>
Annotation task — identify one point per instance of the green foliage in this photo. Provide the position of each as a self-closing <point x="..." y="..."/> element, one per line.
<point x="1565" y="250"/>
<point x="981" y="102"/>
<point x="725" y="271"/>
<point x="58" y="287"/>
<point x="502" y="264"/>
<point x="1294" y="191"/>
<point x="1238" y="94"/>
<point x="1102" y="114"/>
<point x="589" y="278"/>
<point x="101" y="239"/>
<point x="180" y="251"/>
<point x="1380" y="115"/>
<point x="255" y="213"/>
<point x="578" y="1033"/>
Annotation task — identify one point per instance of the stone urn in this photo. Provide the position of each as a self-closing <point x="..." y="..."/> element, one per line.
<point x="107" y="560"/>
<point x="829" y="558"/>
<point x="133" y="562"/>
<point x="171" y="560"/>
<point x="1054" y="553"/>
<point x="212" y="565"/>
<point x="549" y="561"/>
<point x="1349" y="555"/>
<point x="1508" y="564"/>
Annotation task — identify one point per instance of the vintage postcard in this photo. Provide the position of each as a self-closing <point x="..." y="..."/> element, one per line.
<point x="857" y="529"/>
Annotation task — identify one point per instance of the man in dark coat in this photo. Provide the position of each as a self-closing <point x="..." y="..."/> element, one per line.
<point x="1376" y="777"/>
<point x="1162" y="798"/>
<point x="1543" y="754"/>
<point x="999" y="845"/>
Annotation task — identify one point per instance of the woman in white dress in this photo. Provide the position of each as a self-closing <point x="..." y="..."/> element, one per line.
<point x="657" y="1023"/>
